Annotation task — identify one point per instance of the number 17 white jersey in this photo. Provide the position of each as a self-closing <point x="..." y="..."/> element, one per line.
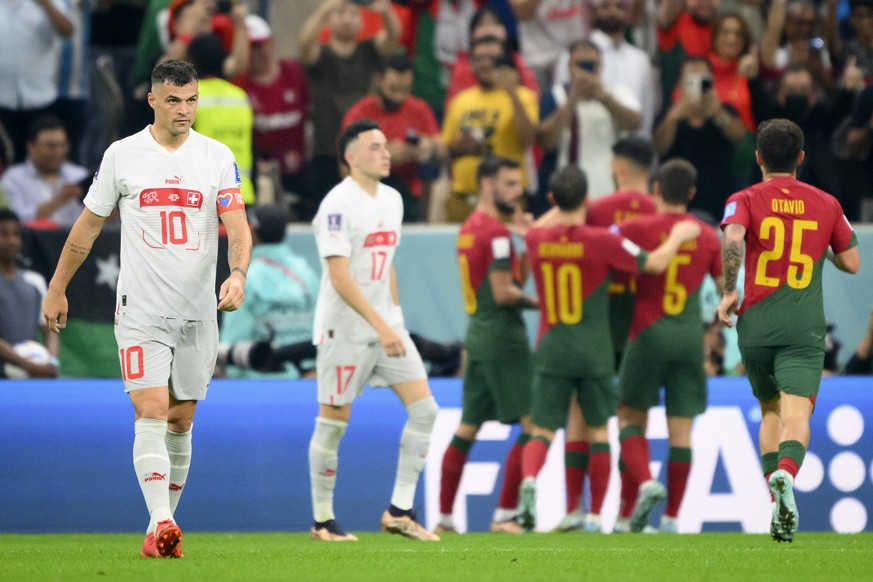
<point x="169" y="203"/>
<point x="366" y="229"/>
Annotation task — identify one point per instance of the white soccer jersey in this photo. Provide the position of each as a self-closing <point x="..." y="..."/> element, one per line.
<point x="169" y="204"/>
<point x="366" y="229"/>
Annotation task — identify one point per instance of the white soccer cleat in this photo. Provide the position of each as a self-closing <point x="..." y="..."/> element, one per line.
<point x="572" y="521"/>
<point x="622" y="525"/>
<point x="669" y="524"/>
<point x="592" y="523"/>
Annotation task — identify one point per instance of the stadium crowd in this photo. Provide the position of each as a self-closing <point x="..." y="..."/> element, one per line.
<point x="538" y="81"/>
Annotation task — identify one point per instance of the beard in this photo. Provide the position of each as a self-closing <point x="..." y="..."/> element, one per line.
<point x="504" y="207"/>
<point x="389" y="105"/>
<point x="609" y="25"/>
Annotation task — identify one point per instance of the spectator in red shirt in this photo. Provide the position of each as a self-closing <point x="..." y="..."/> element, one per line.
<point x="279" y="95"/>
<point x="412" y="132"/>
<point x="731" y="39"/>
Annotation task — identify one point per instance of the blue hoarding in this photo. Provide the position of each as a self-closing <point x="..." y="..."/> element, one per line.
<point x="66" y="451"/>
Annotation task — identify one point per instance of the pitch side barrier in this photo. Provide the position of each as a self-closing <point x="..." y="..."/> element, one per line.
<point x="66" y="451"/>
<point x="428" y="283"/>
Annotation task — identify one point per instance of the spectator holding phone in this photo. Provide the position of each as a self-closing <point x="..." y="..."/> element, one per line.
<point x="496" y="117"/>
<point x="582" y="120"/>
<point x="861" y="46"/>
<point x="411" y="129"/>
<point x="46" y="186"/>
<point x="797" y="22"/>
<point x="698" y="127"/>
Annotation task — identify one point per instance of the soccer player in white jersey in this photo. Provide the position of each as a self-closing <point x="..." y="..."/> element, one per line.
<point x="171" y="186"/>
<point x="359" y="330"/>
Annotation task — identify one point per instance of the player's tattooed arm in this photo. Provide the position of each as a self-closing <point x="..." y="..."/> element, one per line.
<point x="79" y="242"/>
<point x="732" y="259"/>
<point x="76" y="249"/>
<point x="732" y="255"/>
<point x="238" y="255"/>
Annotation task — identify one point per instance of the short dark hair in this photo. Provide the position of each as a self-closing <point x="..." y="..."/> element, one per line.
<point x="350" y="133"/>
<point x="696" y="59"/>
<point x="396" y="62"/>
<point x="676" y="178"/>
<point x="779" y="144"/>
<point x="491" y="165"/>
<point x="9" y="214"/>
<point x="584" y="43"/>
<point x="175" y="72"/>
<point x="207" y="55"/>
<point x="569" y="187"/>
<point x="269" y="221"/>
<point x="635" y="149"/>
<point x="480" y="15"/>
<point x="41" y="124"/>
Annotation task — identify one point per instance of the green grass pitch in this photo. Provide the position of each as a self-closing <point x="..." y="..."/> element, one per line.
<point x="476" y="557"/>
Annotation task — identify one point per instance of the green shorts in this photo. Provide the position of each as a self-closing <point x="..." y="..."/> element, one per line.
<point x="791" y="369"/>
<point x="497" y="390"/>
<point x="552" y="394"/>
<point x="642" y="376"/>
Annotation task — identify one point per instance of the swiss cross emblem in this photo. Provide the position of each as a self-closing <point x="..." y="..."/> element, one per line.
<point x="193" y="198"/>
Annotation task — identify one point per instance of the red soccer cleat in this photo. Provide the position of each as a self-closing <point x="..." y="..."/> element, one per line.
<point x="168" y="539"/>
<point x="149" y="549"/>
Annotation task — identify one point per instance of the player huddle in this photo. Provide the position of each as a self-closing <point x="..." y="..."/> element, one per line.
<point x="630" y="289"/>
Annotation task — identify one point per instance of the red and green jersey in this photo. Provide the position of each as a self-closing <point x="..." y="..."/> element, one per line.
<point x="789" y="227"/>
<point x="485" y="245"/>
<point x="616" y="208"/>
<point x="619" y="207"/>
<point x="674" y="294"/>
<point x="572" y="267"/>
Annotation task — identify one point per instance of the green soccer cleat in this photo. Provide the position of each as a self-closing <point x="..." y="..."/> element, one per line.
<point x="651" y="494"/>
<point x="785" y="516"/>
<point x="527" y="504"/>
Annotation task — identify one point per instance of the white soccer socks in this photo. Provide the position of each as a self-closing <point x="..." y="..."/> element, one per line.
<point x="179" y="450"/>
<point x="152" y="465"/>
<point x="323" y="448"/>
<point x="414" y="443"/>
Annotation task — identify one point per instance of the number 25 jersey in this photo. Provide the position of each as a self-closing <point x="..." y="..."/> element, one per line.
<point x="789" y="227"/>
<point x="169" y="203"/>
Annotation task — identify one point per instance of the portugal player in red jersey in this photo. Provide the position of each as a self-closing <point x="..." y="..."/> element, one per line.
<point x="784" y="229"/>
<point x="572" y="264"/>
<point x="665" y="348"/>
